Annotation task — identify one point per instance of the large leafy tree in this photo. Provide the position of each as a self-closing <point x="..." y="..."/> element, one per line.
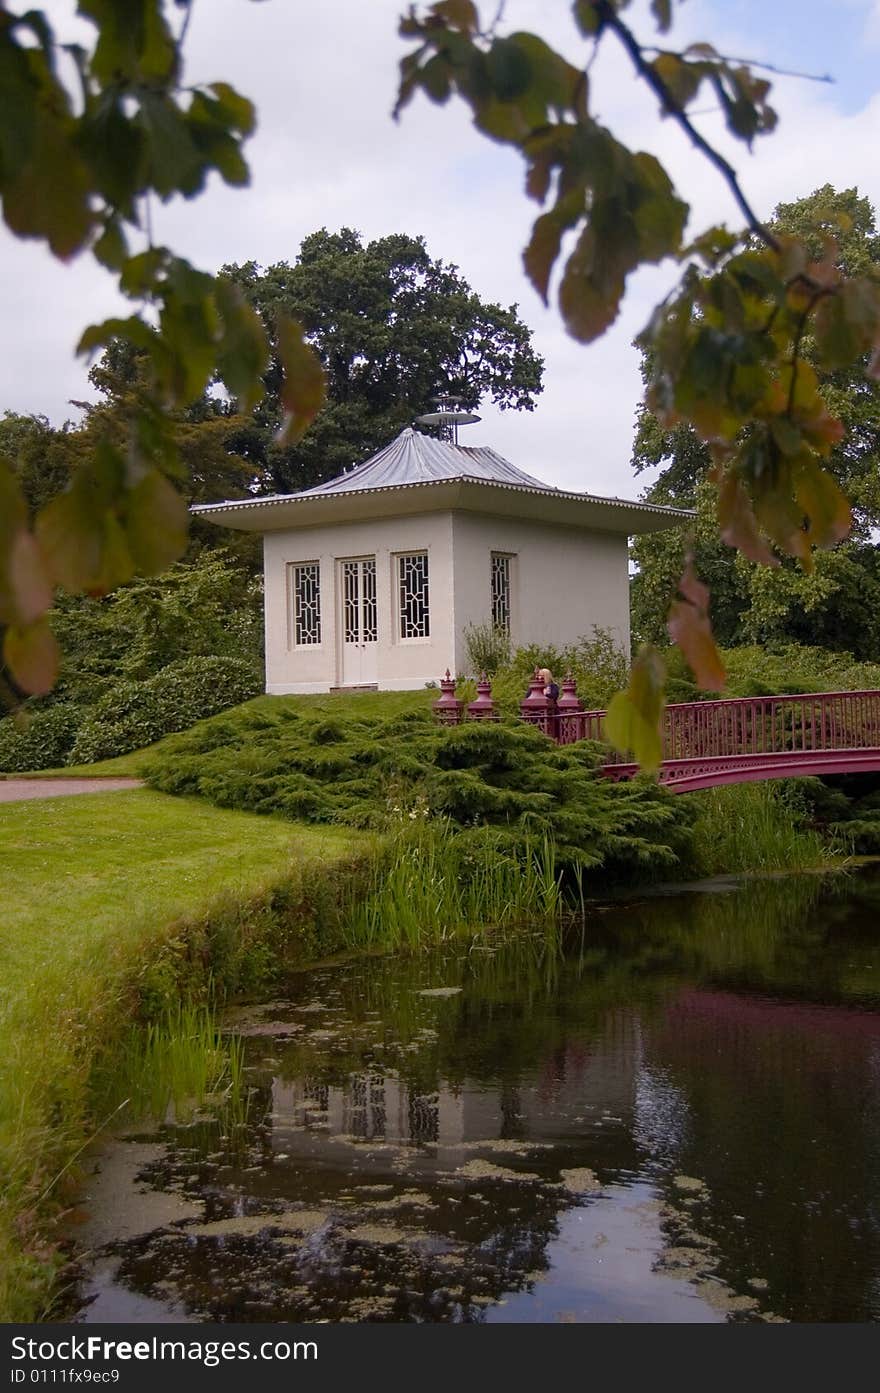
<point x="392" y="327"/>
<point x="834" y="604"/>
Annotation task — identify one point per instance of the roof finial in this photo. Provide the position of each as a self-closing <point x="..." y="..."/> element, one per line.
<point x="448" y="417"/>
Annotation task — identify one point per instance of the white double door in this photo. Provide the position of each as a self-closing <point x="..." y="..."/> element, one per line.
<point x="359" y="621"/>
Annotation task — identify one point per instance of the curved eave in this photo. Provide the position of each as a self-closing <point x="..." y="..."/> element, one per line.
<point x="283" y="511"/>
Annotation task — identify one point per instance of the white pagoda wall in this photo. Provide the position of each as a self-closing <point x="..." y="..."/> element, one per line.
<point x="564" y="581"/>
<point x="402" y="664"/>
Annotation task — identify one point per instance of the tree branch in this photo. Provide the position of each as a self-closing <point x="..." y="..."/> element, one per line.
<point x="611" y="20"/>
<point x="755" y="63"/>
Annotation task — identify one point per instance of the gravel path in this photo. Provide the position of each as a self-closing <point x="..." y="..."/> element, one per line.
<point x="14" y="790"/>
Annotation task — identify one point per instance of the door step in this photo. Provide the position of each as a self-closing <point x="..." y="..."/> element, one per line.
<point x="362" y="687"/>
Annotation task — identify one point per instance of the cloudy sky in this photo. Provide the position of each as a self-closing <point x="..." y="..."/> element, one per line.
<point x="327" y="154"/>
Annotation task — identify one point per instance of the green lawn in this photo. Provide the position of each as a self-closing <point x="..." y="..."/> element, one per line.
<point x="92" y="888"/>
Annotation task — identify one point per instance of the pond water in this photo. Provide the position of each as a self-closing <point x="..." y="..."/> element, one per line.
<point x="671" y="1115"/>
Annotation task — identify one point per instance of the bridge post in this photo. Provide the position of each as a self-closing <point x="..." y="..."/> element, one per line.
<point x="570" y="725"/>
<point x="482" y="708"/>
<point x="448" y="709"/>
<point x="537" y="709"/>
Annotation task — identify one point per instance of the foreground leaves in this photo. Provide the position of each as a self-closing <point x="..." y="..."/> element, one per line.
<point x="77" y="171"/>
<point x="726" y="348"/>
<point x="632" y="722"/>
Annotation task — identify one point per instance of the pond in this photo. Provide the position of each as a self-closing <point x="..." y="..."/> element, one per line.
<point x="669" y="1112"/>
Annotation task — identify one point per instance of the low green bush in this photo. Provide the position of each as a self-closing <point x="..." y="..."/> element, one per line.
<point x="38" y="739"/>
<point x="133" y="714"/>
<point x="381" y="772"/>
<point x="598" y="664"/>
<point x="790" y="668"/>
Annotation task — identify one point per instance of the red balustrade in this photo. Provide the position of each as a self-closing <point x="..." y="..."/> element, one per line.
<point x="714" y="742"/>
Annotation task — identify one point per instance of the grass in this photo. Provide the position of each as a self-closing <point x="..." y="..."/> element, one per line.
<point x="439" y="882"/>
<point x="752" y="827"/>
<point x="171" y="1066"/>
<point x="101" y="893"/>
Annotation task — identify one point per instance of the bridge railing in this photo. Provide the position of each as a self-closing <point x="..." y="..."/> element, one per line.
<point x="751" y="725"/>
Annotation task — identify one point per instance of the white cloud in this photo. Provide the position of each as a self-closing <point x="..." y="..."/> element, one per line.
<point x="327" y="153"/>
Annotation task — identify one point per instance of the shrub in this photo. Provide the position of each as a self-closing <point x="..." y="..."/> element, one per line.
<point x="381" y="772"/>
<point x="598" y="664"/>
<point x="134" y="714"/>
<point x="38" y="739"/>
<point x="488" y="648"/>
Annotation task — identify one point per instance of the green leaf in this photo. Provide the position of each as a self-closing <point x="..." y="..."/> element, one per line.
<point x="31" y="654"/>
<point x="542" y="251"/>
<point x="632" y="722"/>
<point x="173" y="161"/>
<point x="112" y="145"/>
<point x="459" y="14"/>
<point x="134" y="329"/>
<point x="243" y="354"/>
<point x="662" y="12"/>
<point x="134" y="40"/>
<point x="25" y="592"/>
<point x="304" y="386"/>
<point x="79" y="532"/>
<point x="28" y="582"/>
<point x="239" y="112"/>
<point x="139" y="273"/>
<point x="736" y="518"/>
<point x="48" y="195"/>
<point x="824" y="503"/>
<point x="586" y="17"/>
<point x="681" y="80"/>
<point x="510" y="71"/>
<point x="592" y="285"/>
<point x="155" y="524"/>
<point x="689" y="626"/>
<point x="111" y="248"/>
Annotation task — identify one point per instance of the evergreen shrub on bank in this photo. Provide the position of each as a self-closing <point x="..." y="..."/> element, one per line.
<point x="38" y="739"/>
<point x="133" y="714"/>
<point x="379" y="772"/>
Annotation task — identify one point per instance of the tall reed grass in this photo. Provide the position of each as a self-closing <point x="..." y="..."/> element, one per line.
<point x="170" y="1068"/>
<point x="753" y="827"/>
<point x="436" y="882"/>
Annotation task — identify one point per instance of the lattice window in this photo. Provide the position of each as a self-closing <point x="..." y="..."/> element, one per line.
<point x="424" y="1118"/>
<point x="501" y="568"/>
<point x="413" y="591"/>
<point x="307" y="604"/>
<point x="370" y="625"/>
<point x="351" y="590"/>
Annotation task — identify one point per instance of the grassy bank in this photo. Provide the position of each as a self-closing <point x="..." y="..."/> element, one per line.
<point x="754" y="828"/>
<point x="115" y="905"/>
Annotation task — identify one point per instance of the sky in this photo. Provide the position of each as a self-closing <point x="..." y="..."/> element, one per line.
<point x="327" y="154"/>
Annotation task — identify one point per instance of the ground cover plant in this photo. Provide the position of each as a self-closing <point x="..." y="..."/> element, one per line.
<point x="116" y="906"/>
<point x="373" y="769"/>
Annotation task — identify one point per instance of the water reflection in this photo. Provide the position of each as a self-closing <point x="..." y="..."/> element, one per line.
<point x="673" y="1115"/>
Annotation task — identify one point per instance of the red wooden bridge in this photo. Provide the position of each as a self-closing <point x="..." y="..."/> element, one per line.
<point x="706" y="743"/>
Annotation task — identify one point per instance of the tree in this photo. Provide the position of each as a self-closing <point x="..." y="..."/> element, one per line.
<point x="751" y="604"/>
<point x="392" y="327"/>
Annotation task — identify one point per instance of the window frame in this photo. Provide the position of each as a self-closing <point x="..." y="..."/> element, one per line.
<point x="511" y="558"/>
<point x="399" y="557"/>
<point x="293" y="567"/>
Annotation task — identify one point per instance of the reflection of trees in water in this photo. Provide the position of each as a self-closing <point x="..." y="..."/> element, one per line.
<point x="656" y="1011"/>
<point x="783" y="1109"/>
